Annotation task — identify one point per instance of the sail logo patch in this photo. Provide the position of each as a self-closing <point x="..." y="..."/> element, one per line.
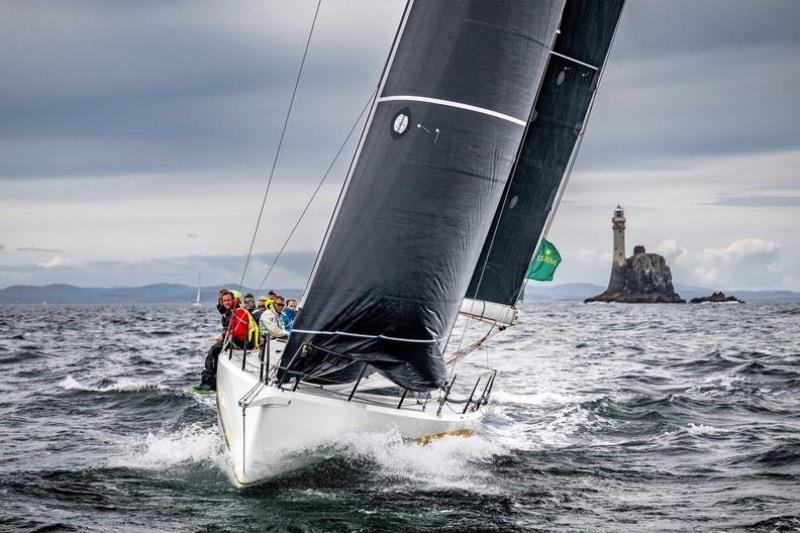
<point x="400" y="122"/>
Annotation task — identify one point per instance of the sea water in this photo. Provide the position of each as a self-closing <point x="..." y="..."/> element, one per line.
<point x="604" y="417"/>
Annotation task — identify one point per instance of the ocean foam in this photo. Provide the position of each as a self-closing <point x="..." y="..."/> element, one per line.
<point x="120" y="385"/>
<point x="702" y="429"/>
<point x="539" y="399"/>
<point x="161" y="450"/>
<point x="452" y="462"/>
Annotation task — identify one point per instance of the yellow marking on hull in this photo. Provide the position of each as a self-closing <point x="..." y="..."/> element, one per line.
<point x="463" y="432"/>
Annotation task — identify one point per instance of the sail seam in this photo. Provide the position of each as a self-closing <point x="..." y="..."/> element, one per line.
<point x="458" y="105"/>
<point x="364" y="336"/>
<point x="587" y="65"/>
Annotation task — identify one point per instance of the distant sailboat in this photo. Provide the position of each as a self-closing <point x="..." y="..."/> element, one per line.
<point x="197" y="302"/>
<point x="477" y="115"/>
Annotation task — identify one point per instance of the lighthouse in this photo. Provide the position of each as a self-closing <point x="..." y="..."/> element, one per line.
<point x="618" y="257"/>
<point x="641" y="278"/>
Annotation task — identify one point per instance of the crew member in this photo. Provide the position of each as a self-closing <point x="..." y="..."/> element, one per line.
<point x="242" y="328"/>
<point x="271" y="322"/>
<point x="289" y="313"/>
<point x="225" y="305"/>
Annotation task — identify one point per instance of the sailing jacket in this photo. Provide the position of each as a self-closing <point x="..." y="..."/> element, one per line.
<point x="287" y="317"/>
<point x="239" y="324"/>
<point x="271" y="323"/>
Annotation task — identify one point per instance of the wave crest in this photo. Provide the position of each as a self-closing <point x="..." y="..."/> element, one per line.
<point x="163" y="449"/>
<point x="119" y="385"/>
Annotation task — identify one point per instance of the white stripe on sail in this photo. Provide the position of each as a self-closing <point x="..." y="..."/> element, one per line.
<point x="364" y="336"/>
<point x="450" y="103"/>
<point x="587" y="65"/>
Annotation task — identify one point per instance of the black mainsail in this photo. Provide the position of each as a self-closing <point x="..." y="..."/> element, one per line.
<point x="423" y="188"/>
<point x="565" y="96"/>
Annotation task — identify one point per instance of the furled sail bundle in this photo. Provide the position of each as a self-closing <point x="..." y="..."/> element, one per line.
<point x="430" y="170"/>
<point x="556" y="122"/>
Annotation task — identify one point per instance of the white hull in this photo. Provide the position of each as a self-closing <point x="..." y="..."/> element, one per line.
<point x="276" y="421"/>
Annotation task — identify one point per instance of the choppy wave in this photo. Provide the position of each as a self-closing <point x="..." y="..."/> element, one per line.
<point x="605" y="418"/>
<point x="117" y="385"/>
<point x="540" y="399"/>
<point x="165" y="449"/>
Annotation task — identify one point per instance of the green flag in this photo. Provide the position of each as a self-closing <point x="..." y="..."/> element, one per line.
<point x="544" y="262"/>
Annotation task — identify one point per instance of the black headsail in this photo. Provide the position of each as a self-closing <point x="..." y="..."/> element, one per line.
<point x="423" y="187"/>
<point x="570" y="82"/>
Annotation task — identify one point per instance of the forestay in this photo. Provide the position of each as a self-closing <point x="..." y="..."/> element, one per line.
<point x="424" y="185"/>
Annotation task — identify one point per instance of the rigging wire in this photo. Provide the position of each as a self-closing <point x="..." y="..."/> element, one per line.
<point x="454" y="357"/>
<point x="280" y="144"/>
<point x="381" y="83"/>
<point x="314" y="194"/>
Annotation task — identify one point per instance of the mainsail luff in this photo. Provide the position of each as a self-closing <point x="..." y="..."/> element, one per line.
<point x="570" y="83"/>
<point x="439" y="147"/>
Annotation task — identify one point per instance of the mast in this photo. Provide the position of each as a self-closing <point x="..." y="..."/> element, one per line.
<point x="554" y="129"/>
<point x="429" y="172"/>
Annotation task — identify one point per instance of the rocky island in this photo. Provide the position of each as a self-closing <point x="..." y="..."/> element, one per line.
<point x="642" y="278"/>
<point x="716" y="298"/>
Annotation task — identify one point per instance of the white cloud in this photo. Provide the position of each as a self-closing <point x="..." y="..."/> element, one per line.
<point x="54" y="261"/>
<point x="740" y="262"/>
<point x="673" y="252"/>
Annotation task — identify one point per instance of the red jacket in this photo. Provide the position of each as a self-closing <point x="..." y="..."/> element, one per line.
<point x="239" y="324"/>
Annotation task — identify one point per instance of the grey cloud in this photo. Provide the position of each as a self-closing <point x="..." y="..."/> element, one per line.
<point x="39" y="250"/>
<point x="697" y="79"/>
<point x="757" y="201"/>
<point x="651" y="113"/>
<point x="199" y="85"/>
<point x="690" y="27"/>
<point x="190" y="85"/>
<point x="2" y="247"/>
<point x="196" y="91"/>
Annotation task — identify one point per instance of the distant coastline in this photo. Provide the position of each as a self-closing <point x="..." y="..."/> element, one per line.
<point x="581" y="291"/>
<point x="170" y="293"/>
<point x="159" y="293"/>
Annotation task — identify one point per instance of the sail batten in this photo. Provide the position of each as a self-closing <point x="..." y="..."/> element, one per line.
<point x="423" y="189"/>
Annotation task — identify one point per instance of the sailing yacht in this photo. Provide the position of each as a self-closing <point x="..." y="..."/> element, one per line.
<point x="474" y="126"/>
<point x="197" y="302"/>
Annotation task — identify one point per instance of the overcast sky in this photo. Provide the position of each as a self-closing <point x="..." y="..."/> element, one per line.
<point x="136" y="137"/>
